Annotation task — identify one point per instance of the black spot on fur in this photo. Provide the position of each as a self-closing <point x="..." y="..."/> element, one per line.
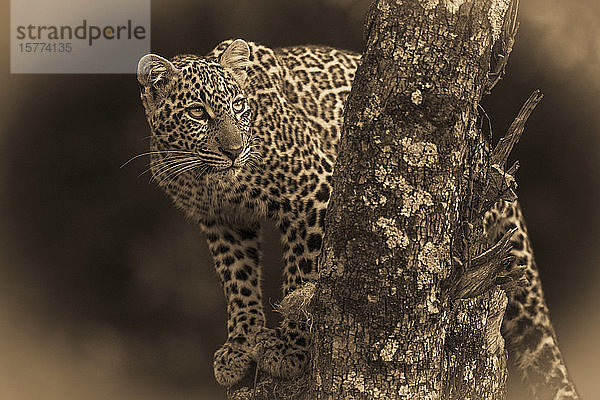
<point x="228" y="261"/>
<point x="246" y="234"/>
<point x="298" y="249"/>
<point x="273" y="206"/>
<point x="238" y="254"/>
<point x="241" y="275"/>
<point x="229" y="237"/>
<point x="286" y="205"/>
<point x="284" y="225"/>
<point x="252" y="254"/>
<point x="226" y="276"/>
<point x="326" y="165"/>
<point x="312" y="218"/>
<point x="517" y="245"/>
<point x="314" y="242"/>
<point x="239" y="303"/>
<point x="292" y="235"/>
<point x="323" y="193"/>
<point x="233" y="288"/>
<point x="305" y="266"/>
<point x="223" y="248"/>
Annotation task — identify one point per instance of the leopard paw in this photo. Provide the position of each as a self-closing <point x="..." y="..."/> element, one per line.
<point x="279" y="357"/>
<point x="232" y="361"/>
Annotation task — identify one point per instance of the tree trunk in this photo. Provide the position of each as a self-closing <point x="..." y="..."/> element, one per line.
<point x="407" y="305"/>
<point x="384" y="324"/>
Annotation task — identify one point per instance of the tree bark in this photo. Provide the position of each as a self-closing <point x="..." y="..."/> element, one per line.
<point x="401" y="218"/>
<point x="407" y="305"/>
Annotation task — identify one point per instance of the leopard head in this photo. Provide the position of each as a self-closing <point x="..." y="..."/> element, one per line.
<point x="198" y="113"/>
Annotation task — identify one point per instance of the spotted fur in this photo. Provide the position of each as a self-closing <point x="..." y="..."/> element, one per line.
<point x="250" y="132"/>
<point x="527" y="329"/>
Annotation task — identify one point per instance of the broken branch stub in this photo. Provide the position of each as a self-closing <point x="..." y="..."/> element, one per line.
<point x="502" y="150"/>
<point x="489" y="269"/>
<point x="501" y="183"/>
<point x="503" y="46"/>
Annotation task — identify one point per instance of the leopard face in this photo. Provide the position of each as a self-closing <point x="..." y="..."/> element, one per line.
<point x="199" y="118"/>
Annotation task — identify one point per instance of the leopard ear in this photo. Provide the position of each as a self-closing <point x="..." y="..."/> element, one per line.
<point x="153" y="71"/>
<point x="236" y="58"/>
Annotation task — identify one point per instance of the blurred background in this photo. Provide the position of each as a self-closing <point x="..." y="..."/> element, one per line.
<point x="107" y="292"/>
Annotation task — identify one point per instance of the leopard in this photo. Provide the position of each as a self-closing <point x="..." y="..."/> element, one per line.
<point x="250" y="133"/>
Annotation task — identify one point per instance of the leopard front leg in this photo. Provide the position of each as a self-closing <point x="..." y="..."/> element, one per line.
<point x="285" y="350"/>
<point x="236" y="253"/>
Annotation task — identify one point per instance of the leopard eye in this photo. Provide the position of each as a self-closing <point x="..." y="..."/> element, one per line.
<point x="198" y="113"/>
<point x="238" y="105"/>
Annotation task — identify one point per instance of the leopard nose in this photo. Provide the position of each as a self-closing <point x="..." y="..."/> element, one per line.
<point x="231" y="153"/>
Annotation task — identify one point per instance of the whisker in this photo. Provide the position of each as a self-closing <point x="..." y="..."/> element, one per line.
<point x="157" y="172"/>
<point x="167" y="168"/>
<point x="148" y="153"/>
<point x="155" y="136"/>
<point x="163" y="166"/>
<point x="188" y="168"/>
<point x="203" y="169"/>
<point x="180" y="171"/>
